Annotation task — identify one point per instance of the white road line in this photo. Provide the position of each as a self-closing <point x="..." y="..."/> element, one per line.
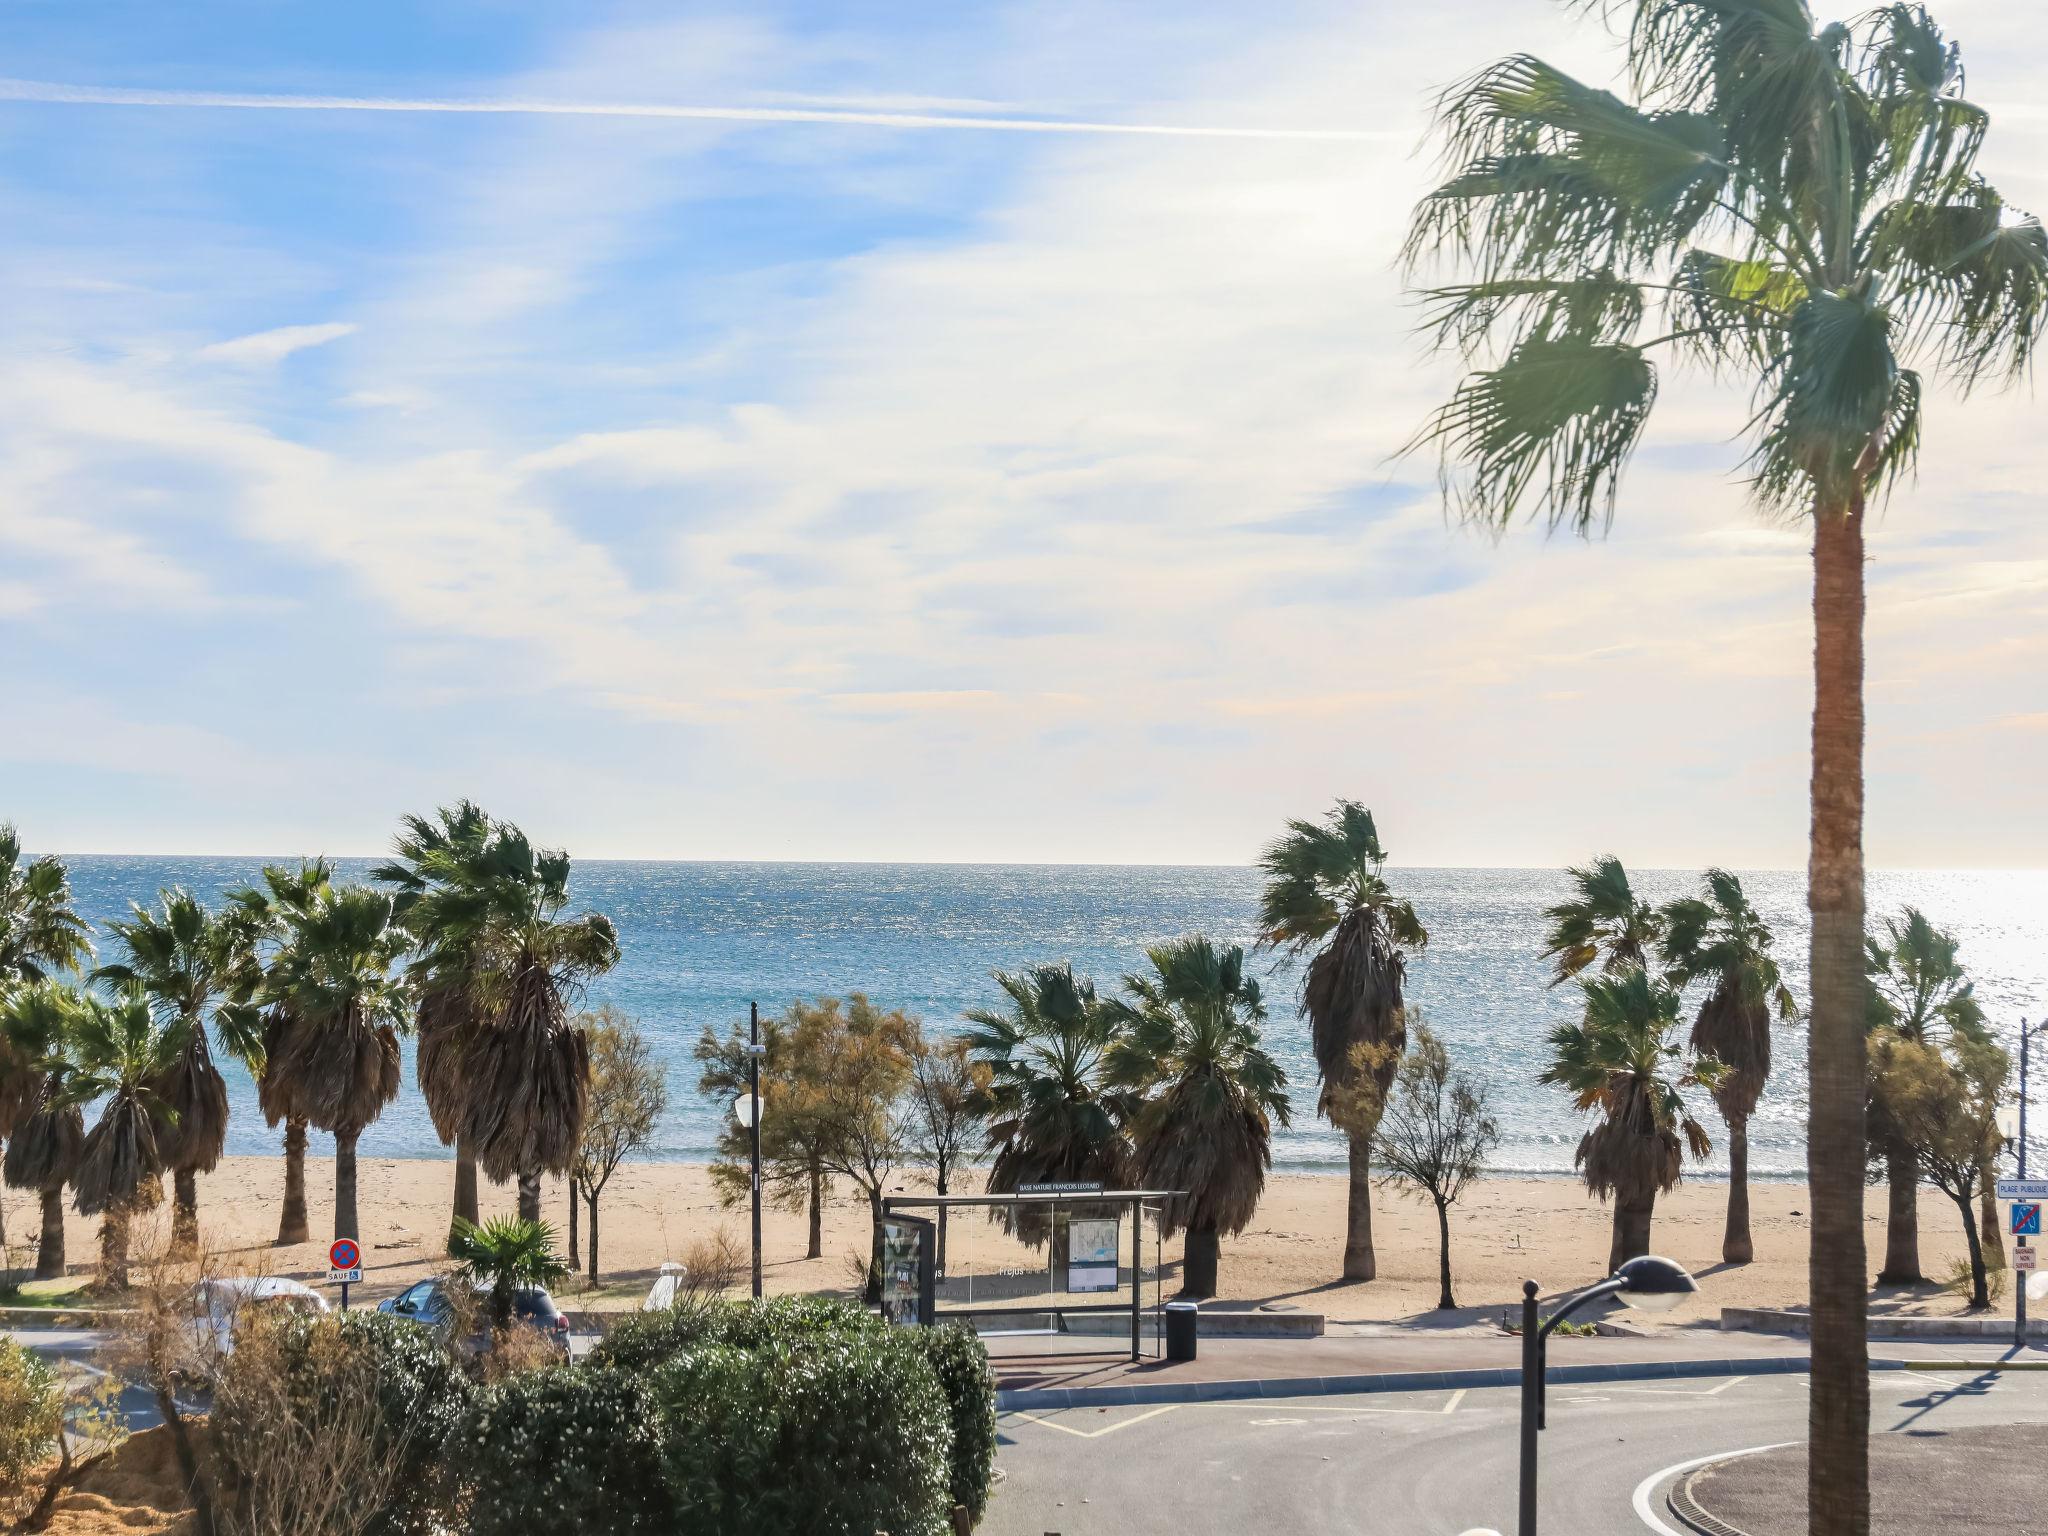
<point x="1656" y="1479"/>
<point x="1684" y="1391"/>
<point x="1457" y="1397"/>
<point x="1096" y="1434"/>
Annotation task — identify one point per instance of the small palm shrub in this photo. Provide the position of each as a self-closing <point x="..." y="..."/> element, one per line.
<point x="31" y="1412"/>
<point x="295" y="1388"/>
<point x="839" y="1433"/>
<point x="563" y="1451"/>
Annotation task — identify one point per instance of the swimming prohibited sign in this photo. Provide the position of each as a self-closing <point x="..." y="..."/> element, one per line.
<point x="2026" y="1218"/>
<point x="345" y="1261"/>
<point x="2025" y="1258"/>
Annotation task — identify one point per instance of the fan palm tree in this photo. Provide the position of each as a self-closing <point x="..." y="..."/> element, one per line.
<point x="491" y="916"/>
<point x="431" y="852"/>
<point x="1920" y="992"/>
<point x="333" y="1059"/>
<point x="1211" y="1094"/>
<point x="41" y="935"/>
<point x="505" y="1254"/>
<point x="1325" y="897"/>
<point x="1803" y="203"/>
<point x="189" y="962"/>
<point x="255" y="925"/>
<point x="1721" y="940"/>
<point x="46" y="1144"/>
<point x="1621" y="1060"/>
<point x="1606" y="922"/>
<point x="119" y="1048"/>
<point x="1054" y="1116"/>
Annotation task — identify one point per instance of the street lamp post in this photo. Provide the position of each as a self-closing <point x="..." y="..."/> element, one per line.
<point x="1649" y="1284"/>
<point x="747" y="1111"/>
<point x="2022" y="1276"/>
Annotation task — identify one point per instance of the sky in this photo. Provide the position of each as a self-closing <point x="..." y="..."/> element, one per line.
<point x="731" y="453"/>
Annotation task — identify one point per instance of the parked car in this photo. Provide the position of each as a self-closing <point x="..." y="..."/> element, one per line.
<point x="427" y="1303"/>
<point x="218" y="1308"/>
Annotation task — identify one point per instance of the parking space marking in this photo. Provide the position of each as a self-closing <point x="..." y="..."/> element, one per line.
<point x="1684" y="1391"/>
<point x="1094" y="1434"/>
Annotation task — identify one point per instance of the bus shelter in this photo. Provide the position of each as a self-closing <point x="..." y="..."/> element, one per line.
<point x="1075" y="1258"/>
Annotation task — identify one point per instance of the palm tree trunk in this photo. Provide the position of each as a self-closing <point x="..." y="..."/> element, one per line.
<point x="529" y="1196"/>
<point x="1990" y="1228"/>
<point x="1199" y="1256"/>
<point x="575" y="1256"/>
<point x="50" y="1262"/>
<point x="1444" y="1301"/>
<point x="817" y="1244"/>
<point x="292" y="1226"/>
<point x="114" y="1247"/>
<point x="1360" y="1263"/>
<point x="345" y="1184"/>
<point x="465" y="1183"/>
<point x="185" y="1213"/>
<point x="1838" y="1414"/>
<point x="1631" y="1230"/>
<point x="1902" y="1218"/>
<point x="1736" y="1244"/>
<point x="591" y="1200"/>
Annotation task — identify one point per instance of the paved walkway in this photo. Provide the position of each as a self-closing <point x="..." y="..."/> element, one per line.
<point x="1973" y="1478"/>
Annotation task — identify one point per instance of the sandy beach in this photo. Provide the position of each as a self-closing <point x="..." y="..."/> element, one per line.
<point x="1506" y="1230"/>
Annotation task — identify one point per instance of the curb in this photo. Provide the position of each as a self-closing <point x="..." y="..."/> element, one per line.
<point x="1147" y="1394"/>
<point x="1688" y="1511"/>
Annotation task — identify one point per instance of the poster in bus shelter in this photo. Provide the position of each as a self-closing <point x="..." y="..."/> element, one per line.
<point x="906" y="1270"/>
<point x="1092" y="1254"/>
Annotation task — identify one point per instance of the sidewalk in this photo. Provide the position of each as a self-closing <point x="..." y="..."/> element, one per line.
<point x="1980" y="1478"/>
<point x="1028" y="1377"/>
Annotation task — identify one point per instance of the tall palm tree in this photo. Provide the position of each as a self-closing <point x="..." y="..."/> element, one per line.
<point x="430" y="852"/>
<point x="1211" y="1094"/>
<point x="256" y="927"/>
<point x="491" y="916"/>
<point x="46" y="1144"/>
<point x="1720" y="939"/>
<point x="1605" y="922"/>
<point x="41" y="935"/>
<point x="1919" y="992"/>
<point x="333" y="1060"/>
<point x="119" y="1047"/>
<point x="1325" y="897"/>
<point x="1053" y="1114"/>
<point x="188" y="962"/>
<point x="1802" y="202"/>
<point x="1622" y="1060"/>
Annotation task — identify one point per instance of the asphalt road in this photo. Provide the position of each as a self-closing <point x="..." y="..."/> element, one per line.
<point x="1427" y="1464"/>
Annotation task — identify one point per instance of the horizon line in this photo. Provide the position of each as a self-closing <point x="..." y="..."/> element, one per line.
<point x="60" y="93"/>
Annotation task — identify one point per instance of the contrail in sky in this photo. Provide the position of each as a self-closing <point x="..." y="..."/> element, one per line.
<point x="57" y="94"/>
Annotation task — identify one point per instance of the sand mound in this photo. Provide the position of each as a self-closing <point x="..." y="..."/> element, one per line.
<point x="137" y="1491"/>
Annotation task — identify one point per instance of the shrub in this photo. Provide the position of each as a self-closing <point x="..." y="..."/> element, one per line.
<point x="830" y="1431"/>
<point x="562" y="1451"/>
<point x="300" y="1391"/>
<point x="960" y="1361"/>
<point x="649" y="1339"/>
<point x="31" y="1412"/>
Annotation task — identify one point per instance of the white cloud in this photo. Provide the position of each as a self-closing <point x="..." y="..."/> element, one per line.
<point x="264" y="348"/>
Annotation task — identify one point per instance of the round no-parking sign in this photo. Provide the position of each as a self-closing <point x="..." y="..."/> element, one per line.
<point x="345" y="1260"/>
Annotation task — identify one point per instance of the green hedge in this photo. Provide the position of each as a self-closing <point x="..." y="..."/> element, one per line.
<point x="960" y="1361"/>
<point x="563" y="1451"/>
<point x="838" y="1432"/>
<point x="418" y="1399"/>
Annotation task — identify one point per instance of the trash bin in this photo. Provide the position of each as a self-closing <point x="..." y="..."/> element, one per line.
<point x="1183" y="1320"/>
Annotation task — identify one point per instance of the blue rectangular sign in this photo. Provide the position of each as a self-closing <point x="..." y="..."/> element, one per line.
<point x="2026" y="1218"/>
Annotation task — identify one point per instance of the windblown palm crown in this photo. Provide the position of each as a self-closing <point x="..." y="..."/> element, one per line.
<point x="1799" y="206"/>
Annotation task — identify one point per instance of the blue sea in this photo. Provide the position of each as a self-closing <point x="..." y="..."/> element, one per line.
<point x="702" y="940"/>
